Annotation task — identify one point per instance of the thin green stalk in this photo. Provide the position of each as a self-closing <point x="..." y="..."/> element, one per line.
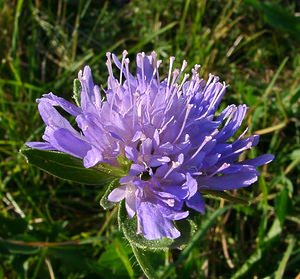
<point x="39" y="263"/>
<point x="16" y="27"/>
<point x="281" y="268"/>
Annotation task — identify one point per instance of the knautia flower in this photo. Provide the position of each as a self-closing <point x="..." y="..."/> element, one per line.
<point x="169" y="130"/>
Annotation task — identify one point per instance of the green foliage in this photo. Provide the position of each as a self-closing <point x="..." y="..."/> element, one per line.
<point x="52" y="228"/>
<point x="104" y="202"/>
<point x="278" y="17"/>
<point x="76" y="91"/>
<point x="67" y="167"/>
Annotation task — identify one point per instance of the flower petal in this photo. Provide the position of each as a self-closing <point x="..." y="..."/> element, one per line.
<point x="88" y="96"/>
<point x="117" y="194"/>
<point x="58" y="101"/>
<point x="260" y="160"/>
<point x="40" y="145"/>
<point x="196" y="202"/>
<point x="92" y="157"/>
<point x="229" y="181"/>
<point x="70" y="144"/>
<point x="152" y="224"/>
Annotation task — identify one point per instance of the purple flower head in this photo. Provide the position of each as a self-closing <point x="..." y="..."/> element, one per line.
<point x="169" y="130"/>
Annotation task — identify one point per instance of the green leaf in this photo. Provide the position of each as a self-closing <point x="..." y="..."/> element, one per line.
<point x="281" y="205"/>
<point x="226" y="196"/>
<point x="144" y="259"/>
<point x="119" y="253"/>
<point x="70" y="168"/>
<point x="248" y="264"/>
<point x="76" y="91"/>
<point x="129" y="226"/>
<point x="278" y="17"/>
<point x="122" y="252"/>
<point x="104" y="202"/>
<point x="74" y="259"/>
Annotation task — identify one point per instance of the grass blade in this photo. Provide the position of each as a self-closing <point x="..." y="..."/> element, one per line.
<point x="280" y="271"/>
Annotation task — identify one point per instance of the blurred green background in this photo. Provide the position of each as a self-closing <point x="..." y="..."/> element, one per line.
<point x="51" y="228"/>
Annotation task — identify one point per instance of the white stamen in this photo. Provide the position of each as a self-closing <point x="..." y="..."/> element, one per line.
<point x="124" y="54"/>
<point x="143" y="69"/>
<point x="175" y="76"/>
<point x="222" y="167"/>
<point x="174" y="166"/>
<point x="231" y="115"/>
<point x="157" y="72"/>
<point x="172" y="59"/>
<point x="248" y="146"/>
<point x="169" y="202"/>
<point x="188" y="109"/>
<point x="109" y="65"/>
<point x="195" y="71"/>
<point x="206" y="140"/>
<point x="183" y="66"/>
<point x="198" y="173"/>
<point x="242" y="134"/>
<point x="210" y="79"/>
<point x="215" y="99"/>
<point x="112" y="79"/>
<point x="126" y="62"/>
<point x="186" y="76"/>
<point x="155" y="69"/>
<point x="166" y="124"/>
<point x="191" y="85"/>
